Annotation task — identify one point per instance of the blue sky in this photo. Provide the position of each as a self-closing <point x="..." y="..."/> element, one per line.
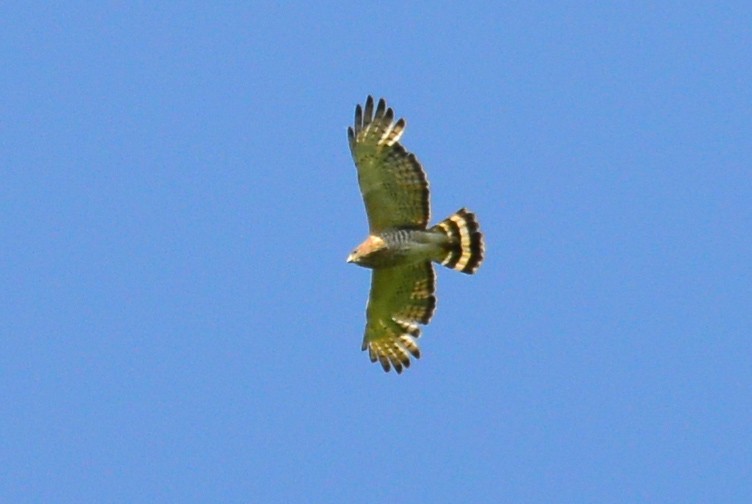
<point x="178" y="199"/>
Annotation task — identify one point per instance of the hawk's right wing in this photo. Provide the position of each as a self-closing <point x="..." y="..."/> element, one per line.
<point x="393" y="184"/>
<point x="401" y="298"/>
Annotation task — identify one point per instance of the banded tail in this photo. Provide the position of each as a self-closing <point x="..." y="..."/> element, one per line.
<point x="465" y="249"/>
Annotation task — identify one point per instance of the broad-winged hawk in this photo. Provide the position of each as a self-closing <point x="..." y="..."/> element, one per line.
<point x="400" y="247"/>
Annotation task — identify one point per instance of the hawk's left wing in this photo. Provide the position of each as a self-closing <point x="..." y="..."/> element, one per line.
<point x="393" y="184"/>
<point x="401" y="298"/>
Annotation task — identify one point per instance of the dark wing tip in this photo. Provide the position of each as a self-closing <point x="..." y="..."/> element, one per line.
<point x="398" y="366"/>
<point x="368" y="111"/>
<point x="380" y="109"/>
<point x="384" y="360"/>
<point x="389" y="116"/>
<point x="358" y="118"/>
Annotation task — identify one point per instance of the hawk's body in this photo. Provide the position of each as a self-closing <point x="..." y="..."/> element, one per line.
<point x="401" y="247"/>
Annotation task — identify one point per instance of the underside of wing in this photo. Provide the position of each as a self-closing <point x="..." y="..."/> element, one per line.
<point x="402" y="297"/>
<point x="392" y="181"/>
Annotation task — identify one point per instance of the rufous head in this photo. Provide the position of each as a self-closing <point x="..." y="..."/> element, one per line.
<point x="371" y="245"/>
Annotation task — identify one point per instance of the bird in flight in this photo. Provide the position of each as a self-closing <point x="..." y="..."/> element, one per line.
<point x="401" y="248"/>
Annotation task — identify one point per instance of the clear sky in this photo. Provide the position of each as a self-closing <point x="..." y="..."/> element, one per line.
<point x="177" y="200"/>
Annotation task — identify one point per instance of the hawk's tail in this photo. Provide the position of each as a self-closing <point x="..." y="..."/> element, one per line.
<point x="465" y="249"/>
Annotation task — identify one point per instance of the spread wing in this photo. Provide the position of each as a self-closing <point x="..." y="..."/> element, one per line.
<point x="393" y="184"/>
<point x="401" y="298"/>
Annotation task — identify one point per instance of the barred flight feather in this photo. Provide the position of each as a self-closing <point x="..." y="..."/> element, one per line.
<point x="466" y="248"/>
<point x="392" y="181"/>
<point x="391" y="338"/>
<point x="394" y="351"/>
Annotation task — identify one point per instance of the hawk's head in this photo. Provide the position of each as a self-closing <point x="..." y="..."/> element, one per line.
<point x="366" y="254"/>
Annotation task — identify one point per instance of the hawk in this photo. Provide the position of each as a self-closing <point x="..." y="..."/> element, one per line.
<point x="401" y="248"/>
